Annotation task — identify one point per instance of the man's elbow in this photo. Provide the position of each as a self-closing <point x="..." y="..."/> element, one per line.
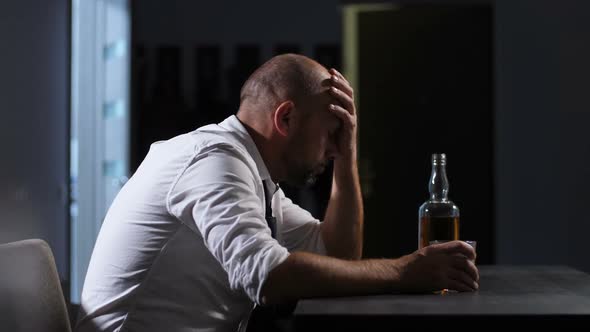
<point x="269" y="296"/>
<point x="275" y="289"/>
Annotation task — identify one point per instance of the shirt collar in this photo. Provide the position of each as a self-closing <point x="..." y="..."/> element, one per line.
<point x="234" y="124"/>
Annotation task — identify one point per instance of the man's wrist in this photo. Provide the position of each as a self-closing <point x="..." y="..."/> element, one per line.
<point x="346" y="164"/>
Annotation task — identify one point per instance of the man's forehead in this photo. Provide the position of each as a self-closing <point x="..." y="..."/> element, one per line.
<point x="326" y="98"/>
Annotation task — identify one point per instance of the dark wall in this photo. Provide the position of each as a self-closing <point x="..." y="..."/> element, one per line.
<point x="190" y="58"/>
<point x="34" y="106"/>
<point x="543" y="144"/>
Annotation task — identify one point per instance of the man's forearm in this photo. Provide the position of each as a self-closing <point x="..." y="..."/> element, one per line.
<point x="305" y="275"/>
<point x="342" y="228"/>
<point x="448" y="265"/>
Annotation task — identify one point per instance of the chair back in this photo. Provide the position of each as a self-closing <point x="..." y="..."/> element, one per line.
<point x="31" y="297"/>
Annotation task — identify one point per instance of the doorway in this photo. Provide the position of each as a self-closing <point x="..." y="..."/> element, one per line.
<point x="424" y="85"/>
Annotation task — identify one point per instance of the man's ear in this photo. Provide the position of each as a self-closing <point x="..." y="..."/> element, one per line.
<point x="283" y="116"/>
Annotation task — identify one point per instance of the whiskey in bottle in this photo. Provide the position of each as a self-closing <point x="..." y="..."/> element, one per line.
<point x="438" y="217"/>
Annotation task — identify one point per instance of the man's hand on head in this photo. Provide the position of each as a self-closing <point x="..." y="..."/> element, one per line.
<point x="344" y="108"/>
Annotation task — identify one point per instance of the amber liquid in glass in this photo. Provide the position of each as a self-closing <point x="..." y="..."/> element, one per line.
<point x="438" y="229"/>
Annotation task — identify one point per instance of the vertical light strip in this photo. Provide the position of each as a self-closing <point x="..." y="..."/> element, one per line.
<point x="351" y="39"/>
<point x="97" y="168"/>
<point x="351" y="72"/>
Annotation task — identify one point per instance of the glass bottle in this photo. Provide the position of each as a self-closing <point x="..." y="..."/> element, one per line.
<point x="438" y="217"/>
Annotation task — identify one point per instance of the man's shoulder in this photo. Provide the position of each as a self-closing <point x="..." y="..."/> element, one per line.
<point x="213" y="137"/>
<point x="225" y="144"/>
<point x="199" y="143"/>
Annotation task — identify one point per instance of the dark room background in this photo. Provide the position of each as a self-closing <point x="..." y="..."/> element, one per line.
<point x="507" y="98"/>
<point x="189" y="62"/>
<point x="34" y="103"/>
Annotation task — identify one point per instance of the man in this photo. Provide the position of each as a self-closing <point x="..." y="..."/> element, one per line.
<point x="202" y="231"/>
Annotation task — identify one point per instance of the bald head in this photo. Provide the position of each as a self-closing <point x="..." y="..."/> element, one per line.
<point x="284" y="77"/>
<point x="284" y="106"/>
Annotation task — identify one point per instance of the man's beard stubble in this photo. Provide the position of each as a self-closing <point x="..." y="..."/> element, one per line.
<point x="302" y="177"/>
<point x="300" y="174"/>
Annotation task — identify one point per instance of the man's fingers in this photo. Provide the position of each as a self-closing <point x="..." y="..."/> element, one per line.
<point x="342" y="85"/>
<point x="464" y="278"/>
<point x="473" y="270"/>
<point x="460" y="286"/>
<point x="345" y="99"/>
<point x="462" y="263"/>
<point x="333" y="71"/>
<point x="341" y="113"/>
<point x="458" y="247"/>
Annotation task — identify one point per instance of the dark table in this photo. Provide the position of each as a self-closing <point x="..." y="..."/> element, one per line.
<point x="555" y="297"/>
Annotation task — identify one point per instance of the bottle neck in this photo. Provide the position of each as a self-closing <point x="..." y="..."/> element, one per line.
<point x="439" y="184"/>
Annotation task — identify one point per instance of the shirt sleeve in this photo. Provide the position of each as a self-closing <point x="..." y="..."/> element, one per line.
<point x="217" y="193"/>
<point x="300" y="231"/>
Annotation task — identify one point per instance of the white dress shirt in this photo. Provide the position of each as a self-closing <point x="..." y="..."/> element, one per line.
<point x="185" y="245"/>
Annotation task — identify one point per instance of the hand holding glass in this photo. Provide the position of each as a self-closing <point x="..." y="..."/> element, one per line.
<point x="469" y="242"/>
